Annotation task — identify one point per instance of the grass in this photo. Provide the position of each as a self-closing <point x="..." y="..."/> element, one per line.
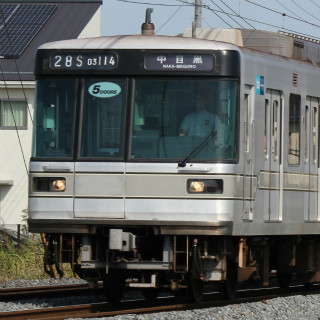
<point x="24" y="262"/>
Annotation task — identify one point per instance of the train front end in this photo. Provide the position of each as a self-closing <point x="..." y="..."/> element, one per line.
<point x="134" y="176"/>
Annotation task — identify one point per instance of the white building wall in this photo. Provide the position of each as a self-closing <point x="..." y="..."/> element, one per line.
<point x="14" y="198"/>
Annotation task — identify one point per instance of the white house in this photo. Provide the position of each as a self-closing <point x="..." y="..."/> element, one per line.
<point x="24" y="26"/>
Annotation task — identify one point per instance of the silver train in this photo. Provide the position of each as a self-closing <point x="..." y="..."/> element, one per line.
<point x="173" y="162"/>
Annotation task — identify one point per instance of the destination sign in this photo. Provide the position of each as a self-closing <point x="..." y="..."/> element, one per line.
<point x="179" y="62"/>
<point x="84" y="61"/>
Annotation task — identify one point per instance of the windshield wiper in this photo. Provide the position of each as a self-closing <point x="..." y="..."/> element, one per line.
<point x="182" y="163"/>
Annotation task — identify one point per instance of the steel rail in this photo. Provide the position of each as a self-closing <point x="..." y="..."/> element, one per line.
<point x="88" y="310"/>
<point x="7" y="294"/>
<point x="160" y="305"/>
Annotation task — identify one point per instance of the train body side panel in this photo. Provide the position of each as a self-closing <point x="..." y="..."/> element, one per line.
<point x="286" y="197"/>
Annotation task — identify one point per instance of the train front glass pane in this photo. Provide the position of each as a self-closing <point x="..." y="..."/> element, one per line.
<point x="173" y="117"/>
<point x="103" y="119"/>
<point x="54" y="119"/>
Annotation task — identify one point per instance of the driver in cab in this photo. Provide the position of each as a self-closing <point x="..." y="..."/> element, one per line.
<point x="200" y="122"/>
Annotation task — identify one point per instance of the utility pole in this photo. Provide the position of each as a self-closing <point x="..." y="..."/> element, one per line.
<point x="197" y="17"/>
<point x="198" y="13"/>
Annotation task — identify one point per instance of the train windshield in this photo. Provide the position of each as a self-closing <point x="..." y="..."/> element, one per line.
<point x="173" y="118"/>
<point x="163" y="119"/>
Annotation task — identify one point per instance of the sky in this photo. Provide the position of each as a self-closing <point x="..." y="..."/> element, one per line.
<point x="171" y="17"/>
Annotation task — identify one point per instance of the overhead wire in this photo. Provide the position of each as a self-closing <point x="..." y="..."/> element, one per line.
<point x="208" y="8"/>
<point x="282" y="13"/>
<point x="234" y="14"/>
<point x="169" y="19"/>
<point x="213" y="11"/>
<point x="221" y="18"/>
<point x="154" y="4"/>
<point x="315" y="3"/>
<point x="206" y="22"/>
<point x="282" y="5"/>
<point x="226" y="14"/>
<point x="305" y="10"/>
<point x="263" y="23"/>
<point x="237" y="15"/>
<point x="283" y="28"/>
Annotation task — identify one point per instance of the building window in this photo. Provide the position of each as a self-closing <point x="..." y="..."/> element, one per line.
<point x="13" y="114"/>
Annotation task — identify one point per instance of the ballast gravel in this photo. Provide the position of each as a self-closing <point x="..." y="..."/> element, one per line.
<point x="289" y="308"/>
<point x="39" y="303"/>
<point x="40" y="282"/>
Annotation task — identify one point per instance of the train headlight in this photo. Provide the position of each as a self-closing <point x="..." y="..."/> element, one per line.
<point x="213" y="186"/>
<point x="196" y="186"/>
<point x="59" y="185"/>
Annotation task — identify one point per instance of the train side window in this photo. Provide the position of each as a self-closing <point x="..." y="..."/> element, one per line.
<point x="315" y="135"/>
<point x="306" y="134"/>
<point x="266" y="121"/>
<point x="275" y="132"/>
<point x="246" y="122"/>
<point x="294" y="129"/>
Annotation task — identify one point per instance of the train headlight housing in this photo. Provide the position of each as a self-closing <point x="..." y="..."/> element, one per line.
<point x="49" y="184"/>
<point x="211" y="186"/>
<point x="59" y="185"/>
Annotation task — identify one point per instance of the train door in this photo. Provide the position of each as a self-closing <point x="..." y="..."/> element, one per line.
<point x="248" y="154"/>
<point x="311" y="159"/>
<point x="272" y="159"/>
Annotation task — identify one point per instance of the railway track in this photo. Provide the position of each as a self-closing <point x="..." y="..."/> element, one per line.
<point x="160" y="305"/>
<point x="8" y="294"/>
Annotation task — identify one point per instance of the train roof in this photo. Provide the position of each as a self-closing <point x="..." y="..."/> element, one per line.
<point x="137" y="42"/>
<point x="282" y="44"/>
